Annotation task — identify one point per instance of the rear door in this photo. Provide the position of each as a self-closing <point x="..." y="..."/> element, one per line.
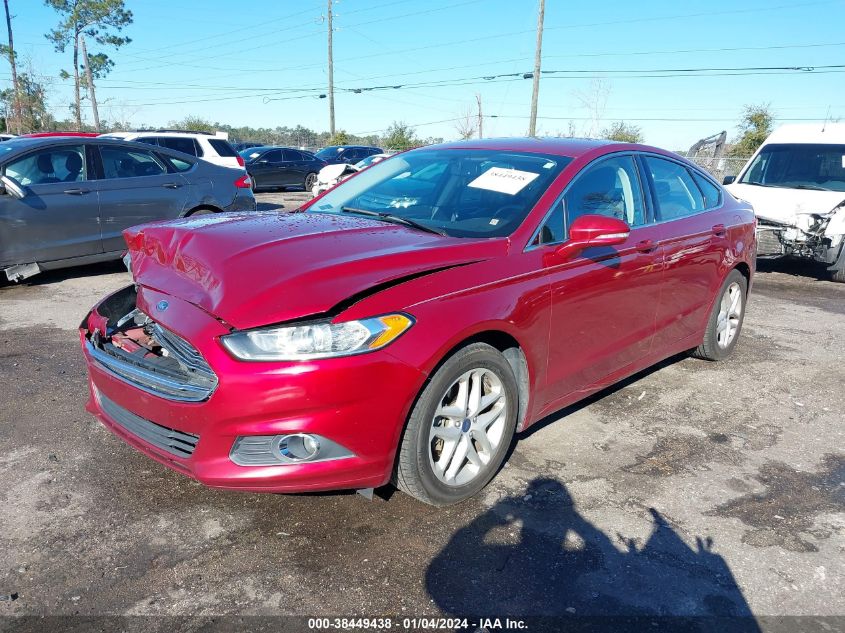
<point x="266" y="169"/>
<point x="297" y="167"/>
<point x="135" y="186"/>
<point x="694" y="236"/>
<point x="604" y="301"/>
<point x="58" y="218"/>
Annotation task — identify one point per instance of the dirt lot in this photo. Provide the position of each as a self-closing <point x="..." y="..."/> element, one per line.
<point x="694" y="489"/>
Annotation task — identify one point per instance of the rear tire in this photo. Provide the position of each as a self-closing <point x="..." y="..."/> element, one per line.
<point x="460" y="428"/>
<point x="726" y="317"/>
<point x="838" y="276"/>
<point x="310" y="181"/>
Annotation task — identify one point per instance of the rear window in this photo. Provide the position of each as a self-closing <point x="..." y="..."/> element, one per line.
<point x="222" y="147"/>
<point x="712" y="195"/>
<point x="186" y="145"/>
<point x="179" y="164"/>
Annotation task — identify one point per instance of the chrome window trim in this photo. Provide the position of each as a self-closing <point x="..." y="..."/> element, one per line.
<point x="146" y="381"/>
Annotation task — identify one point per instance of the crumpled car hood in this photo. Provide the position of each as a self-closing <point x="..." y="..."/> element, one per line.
<point x="261" y="268"/>
<point x="784" y="205"/>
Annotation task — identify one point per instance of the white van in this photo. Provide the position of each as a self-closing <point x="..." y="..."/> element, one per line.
<point x="796" y="184"/>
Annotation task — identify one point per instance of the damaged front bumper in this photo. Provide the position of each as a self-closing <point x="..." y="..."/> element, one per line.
<point x="160" y="379"/>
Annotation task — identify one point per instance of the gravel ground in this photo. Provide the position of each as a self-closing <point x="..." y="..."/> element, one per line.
<point x="691" y="489"/>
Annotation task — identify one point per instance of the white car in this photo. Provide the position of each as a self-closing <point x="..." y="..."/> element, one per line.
<point x="215" y="148"/>
<point x="796" y="184"/>
<point x="330" y="175"/>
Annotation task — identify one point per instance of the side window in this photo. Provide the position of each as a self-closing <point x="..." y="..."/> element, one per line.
<point x="179" y="164"/>
<point x="610" y="187"/>
<point x="180" y="144"/>
<point x="712" y="194"/>
<point x="273" y="156"/>
<point x="552" y="231"/>
<point x="64" y="163"/>
<point x="149" y="140"/>
<point x="122" y="162"/>
<point x="677" y="194"/>
<point x="290" y="155"/>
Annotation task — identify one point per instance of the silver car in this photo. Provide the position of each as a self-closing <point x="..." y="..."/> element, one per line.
<point x="65" y="200"/>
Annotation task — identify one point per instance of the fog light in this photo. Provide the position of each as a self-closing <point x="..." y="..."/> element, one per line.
<point x="289" y="448"/>
<point x="299" y="447"/>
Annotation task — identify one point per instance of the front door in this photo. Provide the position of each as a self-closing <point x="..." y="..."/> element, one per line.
<point x="604" y="300"/>
<point x="58" y="217"/>
<point x="135" y="188"/>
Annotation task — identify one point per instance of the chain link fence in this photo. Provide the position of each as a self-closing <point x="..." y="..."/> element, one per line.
<point x="719" y="167"/>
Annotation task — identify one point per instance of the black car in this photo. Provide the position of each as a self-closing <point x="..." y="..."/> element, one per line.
<point x="349" y="154"/>
<point x="281" y="167"/>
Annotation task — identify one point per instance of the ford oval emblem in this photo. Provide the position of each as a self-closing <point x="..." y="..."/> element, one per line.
<point x="161" y="306"/>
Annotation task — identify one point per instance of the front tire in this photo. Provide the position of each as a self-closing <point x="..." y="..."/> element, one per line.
<point x="725" y="322"/>
<point x="460" y="428"/>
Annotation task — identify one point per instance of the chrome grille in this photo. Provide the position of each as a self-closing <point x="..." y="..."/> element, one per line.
<point x="172" y="441"/>
<point x="190" y="380"/>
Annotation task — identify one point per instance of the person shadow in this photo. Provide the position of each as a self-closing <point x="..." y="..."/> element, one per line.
<point x="534" y="556"/>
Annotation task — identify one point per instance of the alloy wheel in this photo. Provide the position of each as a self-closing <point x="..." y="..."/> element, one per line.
<point x="730" y="312"/>
<point x="468" y="427"/>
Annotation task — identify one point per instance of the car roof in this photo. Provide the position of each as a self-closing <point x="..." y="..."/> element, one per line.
<point x="554" y="146"/>
<point x="22" y="144"/>
<point x="820" y="133"/>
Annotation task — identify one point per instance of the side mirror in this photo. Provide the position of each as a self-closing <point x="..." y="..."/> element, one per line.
<point x="12" y="188"/>
<point x="727" y="180"/>
<point x="588" y="231"/>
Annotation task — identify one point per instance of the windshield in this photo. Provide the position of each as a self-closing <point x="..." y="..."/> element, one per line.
<point x="369" y="160"/>
<point x="459" y="192"/>
<point x="798" y="166"/>
<point x="250" y="153"/>
<point x="329" y="152"/>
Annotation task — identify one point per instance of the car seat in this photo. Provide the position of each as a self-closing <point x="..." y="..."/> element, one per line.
<point x="45" y="166"/>
<point x="596" y="193"/>
<point x="73" y="164"/>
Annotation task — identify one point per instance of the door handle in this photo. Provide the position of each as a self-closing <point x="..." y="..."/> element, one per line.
<point x="171" y="185"/>
<point x="77" y="192"/>
<point x="719" y="230"/>
<point x="646" y="246"/>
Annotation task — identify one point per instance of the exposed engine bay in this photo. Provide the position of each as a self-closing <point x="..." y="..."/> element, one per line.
<point x="129" y="344"/>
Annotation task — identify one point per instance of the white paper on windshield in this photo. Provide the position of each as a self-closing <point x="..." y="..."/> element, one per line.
<point x="509" y="181"/>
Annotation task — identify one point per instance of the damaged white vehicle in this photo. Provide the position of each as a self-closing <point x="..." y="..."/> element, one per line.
<point x="796" y="184"/>
<point x="330" y="175"/>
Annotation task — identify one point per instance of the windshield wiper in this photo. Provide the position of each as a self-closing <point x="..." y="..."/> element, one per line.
<point x="393" y="219"/>
<point x="812" y="187"/>
<point x="760" y="184"/>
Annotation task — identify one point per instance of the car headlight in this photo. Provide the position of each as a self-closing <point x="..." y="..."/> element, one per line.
<point x="319" y="339"/>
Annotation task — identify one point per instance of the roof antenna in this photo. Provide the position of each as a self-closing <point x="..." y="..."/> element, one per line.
<point x="827" y="116"/>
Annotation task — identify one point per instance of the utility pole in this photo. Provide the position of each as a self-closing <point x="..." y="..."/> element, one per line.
<point x="90" y="78"/>
<point x="480" y="116"/>
<point x="331" y="73"/>
<point x="532" y="124"/>
<point x="16" y="99"/>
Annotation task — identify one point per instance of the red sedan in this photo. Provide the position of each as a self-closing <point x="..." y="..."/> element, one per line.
<point x="410" y="320"/>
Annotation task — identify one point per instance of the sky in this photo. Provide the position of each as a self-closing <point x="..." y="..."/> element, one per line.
<point x="263" y="63"/>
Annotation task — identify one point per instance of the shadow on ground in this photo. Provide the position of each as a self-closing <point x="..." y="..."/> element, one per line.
<point x="535" y="555"/>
